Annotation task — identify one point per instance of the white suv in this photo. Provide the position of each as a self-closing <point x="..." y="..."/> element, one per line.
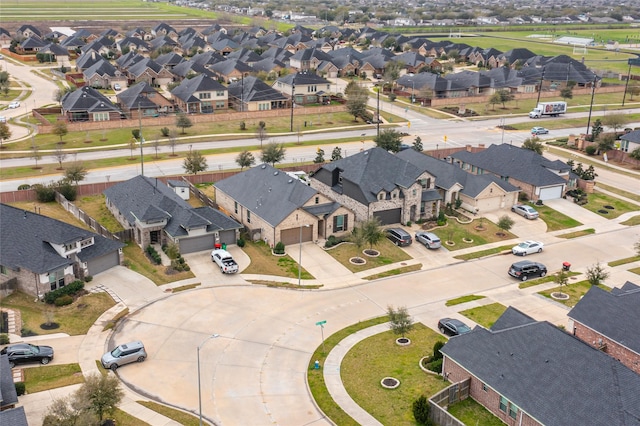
<point x="14" y="104"/>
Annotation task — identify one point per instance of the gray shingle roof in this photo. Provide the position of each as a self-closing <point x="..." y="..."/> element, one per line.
<point x="138" y="95"/>
<point x="86" y="98"/>
<point x="267" y="192"/>
<point x="201" y="83"/>
<point x="549" y="374"/>
<point x="8" y="394"/>
<point x="518" y="163"/>
<point x="252" y="89"/>
<point x="633" y="136"/>
<point x="615" y="315"/>
<point x="14" y="417"/>
<point x="31" y="234"/>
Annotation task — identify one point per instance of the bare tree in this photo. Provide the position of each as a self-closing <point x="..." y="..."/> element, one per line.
<point x="261" y="132"/>
<point x="59" y="155"/>
<point x="35" y="151"/>
<point x="173" y="141"/>
<point x="156" y="146"/>
<point x="132" y="146"/>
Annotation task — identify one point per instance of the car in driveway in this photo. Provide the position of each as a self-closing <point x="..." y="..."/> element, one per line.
<point x="539" y="131"/>
<point x="124" y="354"/>
<point x="22" y="353"/>
<point x="527" y="247"/>
<point x="117" y="86"/>
<point x="452" y="327"/>
<point x="399" y="236"/>
<point x="429" y="239"/>
<point x="13" y="105"/>
<point x="526" y="269"/>
<point x="526" y="211"/>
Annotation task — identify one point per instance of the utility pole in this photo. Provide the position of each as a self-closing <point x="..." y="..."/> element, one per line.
<point x="540" y="88"/>
<point x="293" y="90"/>
<point x="141" y="140"/>
<point x="378" y="107"/>
<point x="593" y="92"/>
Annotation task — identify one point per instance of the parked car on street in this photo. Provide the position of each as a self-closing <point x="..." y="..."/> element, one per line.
<point x="452" y="327"/>
<point x="429" y="239"/>
<point x="527" y="247"/>
<point x="21" y="353"/>
<point x="399" y="236"/>
<point x="526" y="269"/>
<point x="124" y="354"/>
<point x="3" y="119"/>
<point x="527" y="211"/>
<point x="539" y="131"/>
<point x="14" y="104"/>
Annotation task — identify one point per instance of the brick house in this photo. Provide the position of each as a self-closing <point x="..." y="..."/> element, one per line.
<point x="275" y="206"/>
<point x="531" y="373"/>
<point x="376" y="183"/>
<point x="609" y="321"/>
<point x="45" y="254"/>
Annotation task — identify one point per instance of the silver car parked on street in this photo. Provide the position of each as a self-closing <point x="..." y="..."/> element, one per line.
<point x="124" y="354"/>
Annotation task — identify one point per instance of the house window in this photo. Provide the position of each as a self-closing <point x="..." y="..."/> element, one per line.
<point x="340" y="179"/>
<point x="394" y="195"/>
<point x="381" y="196"/>
<point x="248" y="216"/>
<point x="220" y="93"/>
<point x="414" y="192"/>
<point x="513" y="411"/>
<point x="204" y="95"/>
<point x="3" y="270"/>
<point x="86" y="242"/>
<point x="56" y="279"/>
<point x="235" y="207"/>
<point x="624" y="146"/>
<point x="101" y="116"/>
<point x="504" y="404"/>
<point x="340" y="223"/>
<point x="220" y="105"/>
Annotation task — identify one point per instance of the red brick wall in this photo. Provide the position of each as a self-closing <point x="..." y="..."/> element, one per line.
<point x="614" y="349"/>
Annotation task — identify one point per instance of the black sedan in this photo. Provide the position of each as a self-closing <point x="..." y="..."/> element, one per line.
<point x="452" y="327"/>
<point x="21" y="353"/>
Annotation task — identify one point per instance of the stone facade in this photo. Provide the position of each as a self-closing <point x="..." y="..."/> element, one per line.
<point x="35" y="284"/>
<point x="601" y="342"/>
<point x="142" y="232"/>
<point x="484" y="395"/>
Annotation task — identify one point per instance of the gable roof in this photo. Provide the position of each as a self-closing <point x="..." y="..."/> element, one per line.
<point x="508" y="160"/>
<point x="544" y="370"/>
<point x="137" y="96"/>
<point x="88" y="99"/>
<point x="252" y="89"/>
<point x="200" y="83"/>
<point x="632" y="136"/>
<point x="614" y="315"/>
<point x="31" y="236"/>
<point x="267" y="192"/>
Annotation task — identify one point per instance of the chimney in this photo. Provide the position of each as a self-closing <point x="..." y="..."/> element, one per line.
<point x="468" y="148"/>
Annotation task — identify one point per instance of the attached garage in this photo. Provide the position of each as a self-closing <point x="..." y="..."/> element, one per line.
<point x="228" y="237"/>
<point x="489" y="204"/>
<point x="102" y="263"/>
<point x="550" y="192"/>
<point x="387" y="217"/>
<point x="292" y="235"/>
<point x="191" y="245"/>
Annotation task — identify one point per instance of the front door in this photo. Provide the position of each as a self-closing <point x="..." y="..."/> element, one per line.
<point x="321" y="229"/>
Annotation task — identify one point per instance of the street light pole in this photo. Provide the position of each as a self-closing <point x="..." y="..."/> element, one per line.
<point x="213" y="336"/>
<point x="300" y="256"/>
<point x="293" y="91"/>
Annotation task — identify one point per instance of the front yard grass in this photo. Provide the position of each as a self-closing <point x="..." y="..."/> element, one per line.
<point x="181" y="417"/>
<point x="45" y="377"/>
<point x="389" y="254"/>
<point x="393" y="272"/>
<point x="74" y="319"/>
<point x="598" y="201"/>
<point x="624" y="261"/>
<point x="378" y="356"/>
<point x="483" y="253"/>
<point x="265" y="263"/>
<point x="96" y="207"/>
<point x="632" y="221"/>
<point x="463" y="299"/>
<point x="556" y="220"/>
<point x="471" y="413"/>
<point x="621" y="192"/>
<point x="459" y="232"/>
<point x="577" y="234"/>
<point x="549" y="278"/>
<point x="575" y="292"/>
<point x="138" y="262"/>
<point x="485" y="315"/>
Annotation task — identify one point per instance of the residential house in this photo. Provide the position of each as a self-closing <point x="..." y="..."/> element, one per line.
<point x="26" y="31"/>
<point x="276" y="207"/>
<point x="529" y="372"/>
<point x="158" y="215"/>
<point x="231" y="70"/>
<point x="630" y="142"/>
<point x="200" y="94"/>
<point x="132" y="44"/>
<point x="540" y="179"/>
<point x="253" y="94"/>
<point x="306" y="88"/>
<point x="609" y="322"/>
<point x="102" y="75"/>
<point x="163" y="29"/>
<point x="308" y="59"/>
<point x="9" y="413"/>
<point x="86" y="60"/>
<point x="150" y="71"/>
<point x="88" y="104"/>
<point x="31" y="45"/>
<point x="270" y="66"/>
<point x="477" y="193"/>
<point x="58" y="54"/>
<point x="376" y="183"/>
<point x="145" y="100"/>
<point x="5" y="38"/>
<point x="46" y="254"/>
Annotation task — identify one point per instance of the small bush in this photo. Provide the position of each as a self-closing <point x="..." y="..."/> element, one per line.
<point x="63" y="300"/>
<point x="421" y="411"/>
<point x="240" y="242"/>
<point x="279" y="248"/>
<point x="88" y="279"/>
<point x="333" y="241"/>
<point x="44" y="194"/>
<point x="436" y="350"/>
<point x="409" y="223"/>
<point x="20" y="388"/>
<point x="435" y="365"/>
<point x="243" y="125"/>
<point x="590" y="150"/>
<point x="24" y="187"/>
<point x="392" y="97"/>
<point x="165" y="131"/>
<point x="70" y="289"/>
<point x="523" y="197"/>
<point x="153" y="254"/>
<point x="4" y="339"/>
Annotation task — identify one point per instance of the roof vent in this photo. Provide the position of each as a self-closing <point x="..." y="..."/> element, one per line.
<point x="275" y="173"/>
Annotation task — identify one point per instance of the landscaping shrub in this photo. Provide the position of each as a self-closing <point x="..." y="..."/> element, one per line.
<point x="436" y="350"/>
<point x="243" y="125"/>
<point x="153" y="254"/>
<point x="240" y="242"/>
<point x="44" y="194"/>
<point x="70" y="289"/>
<point x="442" y="220"/>
<point x="279" y="248"/>
<point x="435" y="365"/>
<point x="171" y="250"/>
<point x="24" y="186"/>
<point x="421" y="411"/>
<point x="88" y="279"/>
<point x="334" y="241"/>
<point x="591" y="149"/>
<point x="523" y="197"/>
<point x="63" y="300"/>
<point x="4" y="339"/>
<point x="20" y="388"/>
<point x="165" y="131"/>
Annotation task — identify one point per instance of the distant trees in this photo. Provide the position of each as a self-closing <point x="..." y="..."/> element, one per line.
<point x="615" y="121"/>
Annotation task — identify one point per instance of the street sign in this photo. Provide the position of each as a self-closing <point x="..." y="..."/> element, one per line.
<point x="323" y="322"/>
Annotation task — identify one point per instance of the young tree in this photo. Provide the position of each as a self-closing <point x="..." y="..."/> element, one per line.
<point x="156" y="146"/>
<point x="615" y="121"/>
<point x="596" y="274"/>
<point x="533" y="144"/>
<point x="566" y="93"/>
<point x="336" y="154"/>
<point x="173" y="142"/>
<point x="606" y="142"/>
<point x="596" y="128"/>
<point x="132" y="146"/>
<point x="75" y="172"/>
<point x="505" y="223"/>
<point x="357" y="97"/>
<point x="59" y="155"/>
<point x="273" y="153"/>
<point x="183" y="122"/>
<point x="562" y="278"/>
<point x="245" y="159"/>
<point x="194" y="162"/>
<point x="261" y="133"/>
<point x="389" y="139"/>
<point x="373" y="232"/>
<point x="494" y="100"/>
<point x="60" y="129"/>
<point x="100" y="394"/>
<point x="5" y="133"/>
<point x="357" y="238"/>
<point x="505" y="96"/>
<point x="633" y="91"/>
<point x="67" y="412"/>
<point x="400" y="322"/>
<point x="417" y="144"/>
<point x="319" y="156"/>
<point x="35" y="151"/>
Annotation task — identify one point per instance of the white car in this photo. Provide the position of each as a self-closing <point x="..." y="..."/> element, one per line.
<point x="14" y="104"/>
<point x="527" y="247"/>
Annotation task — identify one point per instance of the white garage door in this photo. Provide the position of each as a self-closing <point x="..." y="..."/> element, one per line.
<point x="550" y="193"/>
<point x="489" y="204"/>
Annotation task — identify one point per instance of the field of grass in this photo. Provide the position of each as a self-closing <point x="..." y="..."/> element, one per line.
<point x="575" y="292"/>
<point x="465" y="235"/>
<point x="389" y="254"/>
<point x="376" y="357"/>
<point x="95" y="207"/>
<point x="598" y="201"/>
<point x="73" y="319"/>
<point x="265" y="263"/>
<point x="138" y="262"/>
<point x="485" y="315"/>
<point x="45" y="377"/>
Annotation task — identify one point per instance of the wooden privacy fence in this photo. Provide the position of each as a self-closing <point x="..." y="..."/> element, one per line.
<point x="447" y="396"/>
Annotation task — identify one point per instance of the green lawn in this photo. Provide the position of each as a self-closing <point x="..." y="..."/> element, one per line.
<point x="624" y="261"/>
<point x="393" y="272"/>
<point x="485" y="315"/>
<point x="483" y="253"/>
<point x="621" y="192"/>
<point x="575" y="292"/>
<point x="632" y="221"/>
<point x="137" y="261"/>
<point x="471" y="413"/>
<point x="376" y="357"/>
<point x="555" y="220"/>
<point x="465" y="235"/>
<point x="45" y="377"/>
<point x="598" y="201"/>
<point x="181" y="417"/>
<point x="577" y="234"/>
<point x="549" y="278"/>
<point x="265" y="263"/>
<point x="95" y="207"/>
<point x="389" y="254"/>
<point x="463" y="299"/>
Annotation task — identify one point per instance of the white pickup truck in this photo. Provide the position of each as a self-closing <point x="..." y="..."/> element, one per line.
<point x="224" y="260"/>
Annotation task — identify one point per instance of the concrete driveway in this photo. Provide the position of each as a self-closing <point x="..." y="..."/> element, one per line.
<point x="124" y="284"/>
